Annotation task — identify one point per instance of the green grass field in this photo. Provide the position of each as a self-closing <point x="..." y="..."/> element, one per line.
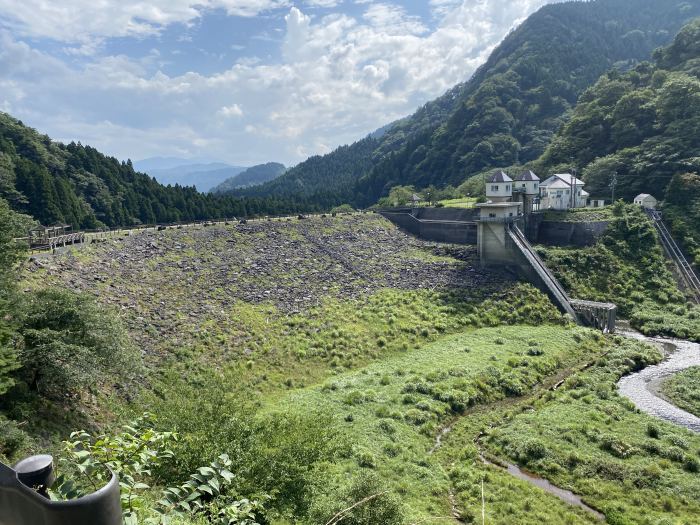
<point x="390" y="412"/>
<point x="585" y="437"/>
<point x="683" y="390"/>
<point x="463" y="202"/>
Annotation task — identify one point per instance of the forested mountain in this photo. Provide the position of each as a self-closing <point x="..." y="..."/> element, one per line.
<point x="507" y="112"/>
<point x="326" y="180"/>
<point x="643" y="126"/>
<point x="250" y="177"/>
<point x="78" y="185"/>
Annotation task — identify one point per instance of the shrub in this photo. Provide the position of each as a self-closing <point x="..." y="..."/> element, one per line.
<point x="616" y="446"/>
<point x="70" y="343"/>
<point x="12" y="439"/>
<point x="532" y="450"/>
<point x="674" y="454"/>
<point x="691" y="464"/>
<point x="653" y="430"/>
<point x="366" y="459"/>
<point x="387" y="427"/>
<point x="678" y="442"/>
<point x="365" y="502"/>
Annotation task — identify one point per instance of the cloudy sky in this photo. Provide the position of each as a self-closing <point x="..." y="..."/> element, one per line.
<point x="243" y="81"/>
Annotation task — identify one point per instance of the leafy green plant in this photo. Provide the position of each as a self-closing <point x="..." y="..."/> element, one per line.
<point x="87" y="463"/>
<point x="69" y="343"/>
<point x="209" y="491"/>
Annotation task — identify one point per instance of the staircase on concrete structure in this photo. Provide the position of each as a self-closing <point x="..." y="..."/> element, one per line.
<point x="590" y="313"/>
<point x="687" y="276"/>
<point x="555" y="288"/>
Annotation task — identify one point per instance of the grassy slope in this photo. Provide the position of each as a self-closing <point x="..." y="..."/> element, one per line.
<point x="683" y="389"/>
<point x="390" y="412"/>
<point x="464" y="202"/>
<point x="627" y="267"/>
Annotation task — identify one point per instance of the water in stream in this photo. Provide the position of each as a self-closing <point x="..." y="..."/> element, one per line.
<point x="642" y="388"/>
<point x="563" y="494"/>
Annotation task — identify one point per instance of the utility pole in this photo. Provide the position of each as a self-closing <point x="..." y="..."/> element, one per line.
<point x="613" y="183"/>
<point x="483" y="504"/>
<point x="572" y="185"/>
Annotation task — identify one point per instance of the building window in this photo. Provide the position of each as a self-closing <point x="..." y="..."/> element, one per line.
<point x="494" y="188"/>
<point x="492" y="215"/>
<point x="507" y="187"/>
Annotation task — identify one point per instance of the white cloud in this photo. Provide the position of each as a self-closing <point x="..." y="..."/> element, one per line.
<point x="88" y="21"/>
<point x="339" y="78"/>
<point x="234" y="110"/>
<point x="393" y="19"/>
<point x="323" y="3"/>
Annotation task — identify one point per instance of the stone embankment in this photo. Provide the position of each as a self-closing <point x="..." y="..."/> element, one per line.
<point x="170" y="282"/>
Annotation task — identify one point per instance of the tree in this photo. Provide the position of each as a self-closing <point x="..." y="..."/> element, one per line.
<point x="400" y="195"/>
<point x="70" y="343"/>
<point x="11" y="254"/>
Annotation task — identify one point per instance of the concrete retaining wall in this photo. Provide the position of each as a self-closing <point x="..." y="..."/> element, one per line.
<point x="559" y="233"/>
<point x="535" y="228"/>
<point x="454" y="233"/>
<point x="451" y="232"/>
<point x="447" y="214"/>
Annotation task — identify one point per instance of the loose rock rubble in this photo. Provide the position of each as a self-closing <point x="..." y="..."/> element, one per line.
<point x="171" y="281"/>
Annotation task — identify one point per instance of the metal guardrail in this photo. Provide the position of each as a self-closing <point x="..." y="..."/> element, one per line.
<point x="673" y="251"/>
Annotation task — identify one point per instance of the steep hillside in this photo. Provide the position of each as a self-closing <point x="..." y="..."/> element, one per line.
<point x="521" y="96"/>
<point x="506" y="113"/>
<point x="326" y="180"/>
<point x="645" y="127"/>
<point x="252" y="176"/>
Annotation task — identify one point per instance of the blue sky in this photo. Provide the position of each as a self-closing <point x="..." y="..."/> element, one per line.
<point x="243" y="81"/>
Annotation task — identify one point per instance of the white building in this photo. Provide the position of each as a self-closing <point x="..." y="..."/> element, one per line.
<point x="499" y="187"/>
<point x="562" y="191"/>
<point x="527" y="182"/>
<point x="646" y="201"/>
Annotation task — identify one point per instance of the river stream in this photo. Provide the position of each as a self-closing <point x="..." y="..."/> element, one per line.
<point x="642" y="388"/>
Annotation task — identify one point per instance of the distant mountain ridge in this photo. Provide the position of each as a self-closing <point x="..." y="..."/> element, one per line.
<point x="202" y="176"/>
<point x="165" y="163"/>
<point x="74" y="184"/>
<point x="252" y="176"/>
